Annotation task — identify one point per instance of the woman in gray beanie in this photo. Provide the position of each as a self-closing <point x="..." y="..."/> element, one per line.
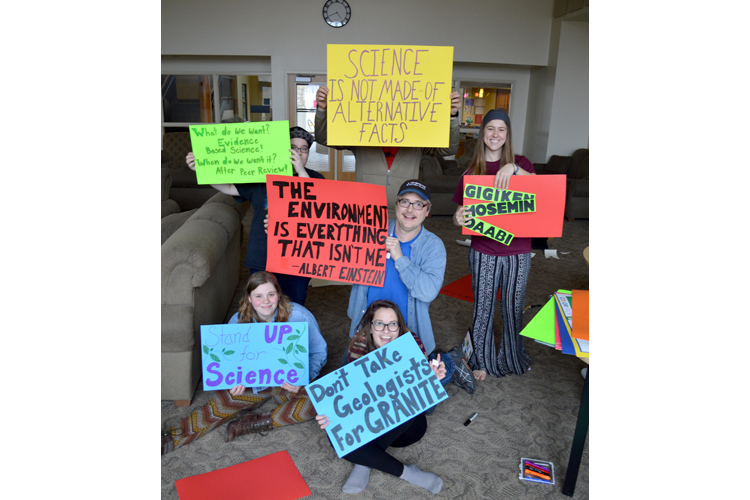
<point x="494" y="264"/>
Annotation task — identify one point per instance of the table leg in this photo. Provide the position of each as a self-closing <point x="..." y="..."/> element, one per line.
<point x="579" y="439"/>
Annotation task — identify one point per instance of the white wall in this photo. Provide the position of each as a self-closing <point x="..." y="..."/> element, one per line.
<point x="569" y="123"/>
<point x="541" y="91"/>
<point x="294" y="35"/>
<point x="558" y="117"/>
<point x="508" y="41"/>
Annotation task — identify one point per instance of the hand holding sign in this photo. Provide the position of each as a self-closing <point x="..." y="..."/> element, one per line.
<point x="503" y="175"/>
<point x="389" y="95"/>
<point x="532" y="208"/>
<point x="236" y="356"/>
<point x="327" y="229"/>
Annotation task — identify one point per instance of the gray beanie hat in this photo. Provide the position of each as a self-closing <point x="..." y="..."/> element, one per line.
<point x="496" y="114"/>
<point x="299" y="132"/>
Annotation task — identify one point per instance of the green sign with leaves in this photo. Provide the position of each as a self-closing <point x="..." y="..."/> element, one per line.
<point x="254" y="355"/>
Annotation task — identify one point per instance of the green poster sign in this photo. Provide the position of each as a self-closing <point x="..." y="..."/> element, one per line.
<point x="496" y="202"/>
<point x="240" y="153"/>
<point x="486" y="229"/>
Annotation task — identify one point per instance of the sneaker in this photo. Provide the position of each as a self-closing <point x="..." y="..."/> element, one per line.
<point x="248" y="423"/>
<point x="463" y="376"/>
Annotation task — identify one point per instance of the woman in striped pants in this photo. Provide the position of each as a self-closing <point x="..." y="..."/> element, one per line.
<point x="495" y="264"/>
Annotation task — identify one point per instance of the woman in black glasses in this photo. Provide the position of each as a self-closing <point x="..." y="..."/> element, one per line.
<point x="382" y="323"/>
<point x="295" y="287"/>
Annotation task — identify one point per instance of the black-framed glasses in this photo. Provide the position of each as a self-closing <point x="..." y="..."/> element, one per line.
<point x="418" y="205"/>
<point x="303" y="149"/>
<point x="379" y="325"/>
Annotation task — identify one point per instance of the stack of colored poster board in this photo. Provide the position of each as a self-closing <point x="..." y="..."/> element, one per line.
<point x="553" y="324"/>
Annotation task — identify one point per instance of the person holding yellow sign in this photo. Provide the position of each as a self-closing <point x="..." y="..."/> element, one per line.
<point x="387" y="166"/>
<point x="495" y="264"/>
<point x="294" y="286"/>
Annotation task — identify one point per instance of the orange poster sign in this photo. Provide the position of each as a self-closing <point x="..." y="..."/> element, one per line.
<point x="333" y="230"/>
<point x="580" y="302"/>
<point x="531" y="207"/>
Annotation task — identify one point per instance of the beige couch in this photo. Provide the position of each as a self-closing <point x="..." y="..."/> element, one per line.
<point x="200" y="269"/>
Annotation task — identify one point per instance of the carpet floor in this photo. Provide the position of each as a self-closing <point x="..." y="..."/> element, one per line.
<point x="532" y="415"/>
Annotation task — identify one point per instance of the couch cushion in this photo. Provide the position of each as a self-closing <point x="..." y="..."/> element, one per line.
<point x="173" y="222"/>
<point x="555" y="165"/>
<point x="442" y="183"/>
<point x="429" y="167"/>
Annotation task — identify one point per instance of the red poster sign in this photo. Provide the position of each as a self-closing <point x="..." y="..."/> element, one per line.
<point x="272" y="476"/>
<point x="333" y="230"/>
<point x="547" y="219"/>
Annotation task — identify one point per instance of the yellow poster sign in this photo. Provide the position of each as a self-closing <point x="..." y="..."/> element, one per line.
<point x="389" y="95"/>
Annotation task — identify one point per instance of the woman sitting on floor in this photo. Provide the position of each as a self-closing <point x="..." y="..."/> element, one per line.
<point x="264" y="302"/>
<point x="383" y="323"/>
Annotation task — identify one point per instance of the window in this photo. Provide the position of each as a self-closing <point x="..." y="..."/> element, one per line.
<point x="480" y="98"/>
<point x="212" y="98"/>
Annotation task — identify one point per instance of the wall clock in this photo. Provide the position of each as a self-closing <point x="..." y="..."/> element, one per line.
<point x="337" y="13"/>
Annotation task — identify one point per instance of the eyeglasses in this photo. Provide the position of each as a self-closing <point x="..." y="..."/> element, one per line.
<point x="379" y="325"/>
<point x="303" y="149"/>
<point x="418" y="205"/>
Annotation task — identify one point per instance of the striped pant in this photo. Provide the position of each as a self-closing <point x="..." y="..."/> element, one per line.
<point x="489" y="272"/>
<point x="291" y="408"/>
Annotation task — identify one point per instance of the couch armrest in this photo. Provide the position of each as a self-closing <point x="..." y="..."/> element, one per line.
<point x="193" y="251"/>
<point x="169" y="207"/>
<point x="578" y="188"/>
<point x="166" y="183"/>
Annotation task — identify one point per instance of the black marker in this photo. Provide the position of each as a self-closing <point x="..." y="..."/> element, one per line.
<point x="471" y="419"/>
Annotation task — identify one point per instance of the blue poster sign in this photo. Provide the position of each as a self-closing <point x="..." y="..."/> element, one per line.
<point x="254" y="355"/>
<point x="375" y="393"/>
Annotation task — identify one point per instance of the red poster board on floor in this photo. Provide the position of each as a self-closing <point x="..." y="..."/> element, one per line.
<point x="273" y="477"/>
<point x="461" y="289"/>
<point x="545" y="222"/>
<point x="332" y="230"/>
